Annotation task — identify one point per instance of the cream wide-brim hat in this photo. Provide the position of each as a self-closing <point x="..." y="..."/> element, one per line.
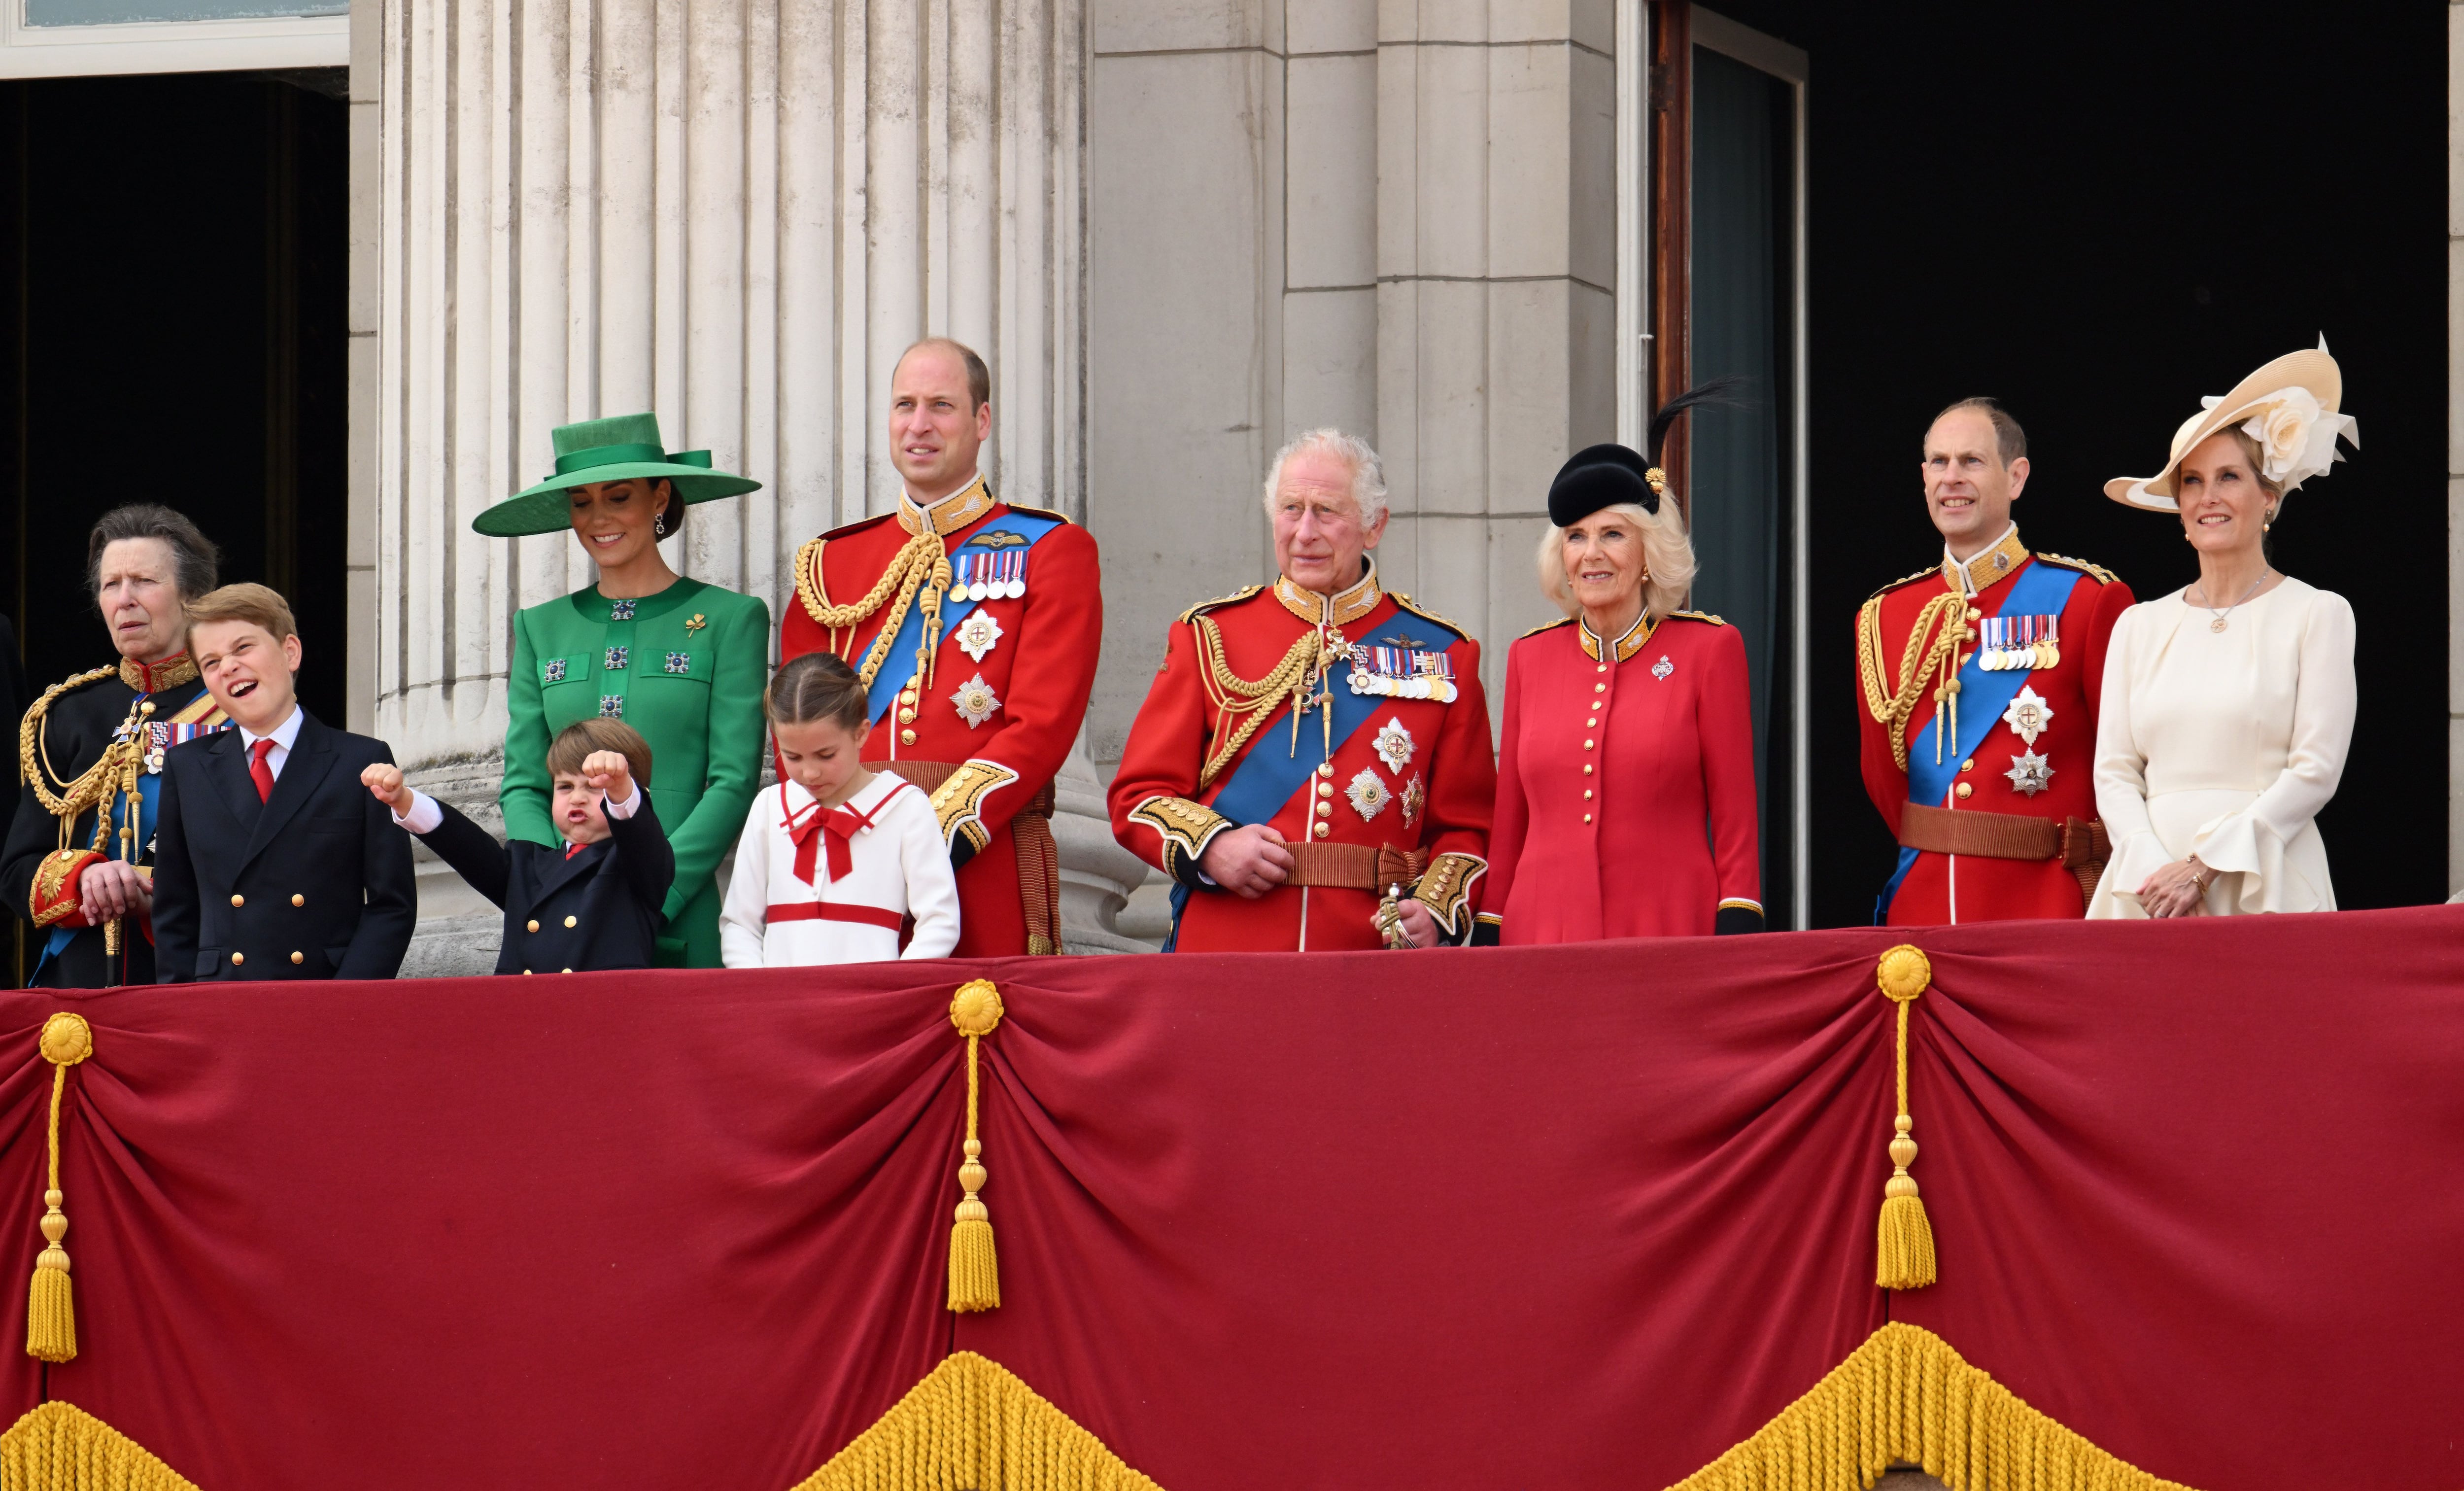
<point x="2298" y="378"/>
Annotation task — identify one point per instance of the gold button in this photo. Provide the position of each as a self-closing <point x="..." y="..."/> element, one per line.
<point x="1587" y="795"/>
<point x="906" y="717"/>
<point x="1969" y="765"/>
<point x="907" y="696"/>
<point x="1973" y="613"/>
<point x="239" y="900"/>
<point x="299" y="957"/>
<point x="906" y="737"/>
<point x="237" y="959"/>
<point x="1326" y="768"/>
<point x="1324" y="830"/>
<point x="568" y="970"/>
<point x="525" y="970"/>
<point x="1586" y="770"/>
<point x="568" y="921"/>
<point x="1599" y="688"/>
<point x="1326" y="810"/>
<point x="1587" y="817"/>
<point x="298" y="900"/>
<point x="1592" y="724"/>
<point x="534" y="926"/>
<point x="1602" y="668"/>
<point x="1587" y="744"/>
<point x="1326" y="788"/>
<point x="1964" y="790"/>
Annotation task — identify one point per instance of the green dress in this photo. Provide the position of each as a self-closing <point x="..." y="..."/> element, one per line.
<point x="685" y="667"/>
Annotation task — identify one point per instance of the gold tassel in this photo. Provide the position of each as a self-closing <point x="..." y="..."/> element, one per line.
<point x="50" y="1310"/>
<point x="975" y="1273"/>
<point x="1903" y="1239"/>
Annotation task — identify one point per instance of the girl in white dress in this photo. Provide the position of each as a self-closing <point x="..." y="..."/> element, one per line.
<point x="834" y="859"/>
<point x="2228" y="706"/>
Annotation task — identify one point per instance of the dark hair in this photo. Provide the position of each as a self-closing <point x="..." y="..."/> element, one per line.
<point x="195" y="561"/>
<point x="573" y="743"/>
<point x="980" y="378"/>
<point x="2009" y="438"/>
<point x="817" y="686"/>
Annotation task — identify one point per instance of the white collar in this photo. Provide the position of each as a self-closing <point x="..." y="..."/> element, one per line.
<point x="798" y="801"/>
<point x="285" y="735"/>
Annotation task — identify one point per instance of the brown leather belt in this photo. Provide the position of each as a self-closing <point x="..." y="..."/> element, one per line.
<point x="1356" y="866"/>
<point x="1031" y="829"/>
<point x="2080" y="844"/>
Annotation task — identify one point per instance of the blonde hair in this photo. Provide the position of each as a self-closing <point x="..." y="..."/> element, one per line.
<point x="244" y="602"/>
<point x="1667" y="554"/>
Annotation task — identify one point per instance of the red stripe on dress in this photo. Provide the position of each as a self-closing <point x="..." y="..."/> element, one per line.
<point x="835" y="911"/>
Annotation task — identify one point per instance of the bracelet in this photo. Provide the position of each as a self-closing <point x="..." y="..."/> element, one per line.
<point x="2200" y="875"/>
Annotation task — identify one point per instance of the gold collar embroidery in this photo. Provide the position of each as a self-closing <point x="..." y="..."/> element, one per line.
<point x="1336" y="609"/>
<point x="171" y="673"/>
<point x="950" y="513"/>
<point x="1627" y="645"/>
<point x="1980" y="574"/>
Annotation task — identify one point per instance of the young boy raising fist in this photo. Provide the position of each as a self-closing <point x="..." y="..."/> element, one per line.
<point x="592" y="906"/>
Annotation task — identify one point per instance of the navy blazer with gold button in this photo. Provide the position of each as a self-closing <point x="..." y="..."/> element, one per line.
<point x="599" y="909"/>
<point x="314" y="881"/>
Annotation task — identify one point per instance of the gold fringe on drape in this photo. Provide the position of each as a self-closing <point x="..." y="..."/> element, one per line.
<point x="60" y="1447"/>
<point x="971" y="1423"/>
<point x="1906" y="1396"/>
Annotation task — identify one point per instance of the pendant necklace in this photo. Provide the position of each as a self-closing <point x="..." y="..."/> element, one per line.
<point x="2218" y="623"/>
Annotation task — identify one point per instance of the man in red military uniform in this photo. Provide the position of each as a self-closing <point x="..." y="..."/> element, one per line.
<point x="1979" y="681"/>
<point x="1313" y="764"/>
<point x="975" y="625"/>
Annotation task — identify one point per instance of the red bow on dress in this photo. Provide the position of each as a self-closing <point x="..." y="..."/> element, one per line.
<point x="838" y="827"/>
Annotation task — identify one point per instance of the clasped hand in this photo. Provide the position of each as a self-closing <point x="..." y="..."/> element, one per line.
<point x="2173" y="891"/>
<point x="1253" y="859"/>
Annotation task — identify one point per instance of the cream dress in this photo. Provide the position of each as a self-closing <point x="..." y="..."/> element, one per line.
<point x="2224" y="745"/>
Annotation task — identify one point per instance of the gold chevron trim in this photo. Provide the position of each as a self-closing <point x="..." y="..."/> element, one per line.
<point x="1906" y="1396"/>
<point x="971" y="1423"/>
<point x="60" y="1447"/>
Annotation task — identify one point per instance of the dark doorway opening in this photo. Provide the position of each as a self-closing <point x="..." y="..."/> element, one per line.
<point x="174" y="259"/>
<point x="2072" y="213"/>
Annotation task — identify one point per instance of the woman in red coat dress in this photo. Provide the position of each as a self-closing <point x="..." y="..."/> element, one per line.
<point x="1625" y="776"/>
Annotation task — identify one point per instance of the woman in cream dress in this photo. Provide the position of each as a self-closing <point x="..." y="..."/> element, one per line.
<point x="2228" y="704"/>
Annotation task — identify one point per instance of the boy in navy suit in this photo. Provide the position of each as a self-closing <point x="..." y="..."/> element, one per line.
<point x="270" y="861"/>
<point x="594" y="904"/>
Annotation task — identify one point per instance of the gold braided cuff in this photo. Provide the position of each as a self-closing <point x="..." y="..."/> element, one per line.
<point x="54" y="892"/>
<point x="959" y="802"/>
<point x="1445" y="889"/>
<point x="1186" y="828"/>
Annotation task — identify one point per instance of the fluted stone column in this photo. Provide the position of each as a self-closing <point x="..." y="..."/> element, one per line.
<point x="733" y="212"/>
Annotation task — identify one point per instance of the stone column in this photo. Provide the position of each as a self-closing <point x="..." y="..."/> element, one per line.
<point x="733" y="212"/>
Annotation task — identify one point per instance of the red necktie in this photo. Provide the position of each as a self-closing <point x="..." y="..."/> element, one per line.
<point x="258" y="771"/>
<point x="836" y="827"/>
<point x="571" y="850"/>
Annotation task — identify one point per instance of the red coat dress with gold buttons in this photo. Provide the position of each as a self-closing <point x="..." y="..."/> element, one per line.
<point x="1415" y="778"/>
<point x="1939" y="888"/>
<point x="1625" y="791"/>
<point x="1005" y="739"/>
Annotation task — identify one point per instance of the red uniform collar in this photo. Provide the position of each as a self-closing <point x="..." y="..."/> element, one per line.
<point x="154" y="678"/>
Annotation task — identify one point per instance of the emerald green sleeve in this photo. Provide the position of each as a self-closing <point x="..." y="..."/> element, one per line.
<point x="742" y="667"/>
<point x="523" y="792"/>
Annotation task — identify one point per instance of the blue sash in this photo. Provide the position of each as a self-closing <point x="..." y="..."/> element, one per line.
<point x="883" y="696"/>
<point x="2041" y="590"/>
<point x="1267" y="778"/>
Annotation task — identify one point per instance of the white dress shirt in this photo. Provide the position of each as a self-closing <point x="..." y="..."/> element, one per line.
<point x="282" y="736"/>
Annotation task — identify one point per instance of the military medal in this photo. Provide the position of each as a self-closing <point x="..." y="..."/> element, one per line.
<point x="2018" y="643"/>
<point x="1369" y="795"/>
<point x="1393" y="745"/>
<point x="1415" y="798"/>
<point x="977" y="635"/>
<point x="1403" y="672"/>
<point x="1661" y="669"/>
<point x="978" y="576"/>
<point x="2028" y="715"/>
<point x="974" y="701"/>
<point x="2029" y="774"/>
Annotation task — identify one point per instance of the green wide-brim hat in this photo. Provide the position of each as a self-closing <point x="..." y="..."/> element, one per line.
<point x="608" y="450"/>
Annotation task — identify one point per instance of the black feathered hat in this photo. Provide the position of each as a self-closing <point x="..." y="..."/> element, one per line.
<point x="1603" y="475"/>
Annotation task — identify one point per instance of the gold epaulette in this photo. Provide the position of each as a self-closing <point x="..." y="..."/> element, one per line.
<point x="1426" y="615"/>
<point x="1935" y="570"/>
<point x="30" y="727"/>
<point x="1700" y="615"/>
<point x="1203" y="606"/>
<point x="2101" y="574"/>
<point x="1040" y="512"/>
<point x="1548" y="626"/>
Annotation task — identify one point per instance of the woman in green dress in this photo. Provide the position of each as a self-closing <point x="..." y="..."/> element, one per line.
<point x="681" y="661"/>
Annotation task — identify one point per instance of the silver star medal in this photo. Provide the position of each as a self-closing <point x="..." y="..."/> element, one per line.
<point x="1661" y="669"/>
<point x="977" y="633"/>
<point x="2029" y="773"/>
<point x="2028" y="715"/>
<point x="1369" y="795"/>
<point x="974" y="700"/>
<point x="1415" y="798"/>
<point x="1395" y="746"/>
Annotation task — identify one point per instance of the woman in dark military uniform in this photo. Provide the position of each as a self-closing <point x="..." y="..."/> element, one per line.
<point x="79" y="855"/>
<point x="680" y="662"/>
